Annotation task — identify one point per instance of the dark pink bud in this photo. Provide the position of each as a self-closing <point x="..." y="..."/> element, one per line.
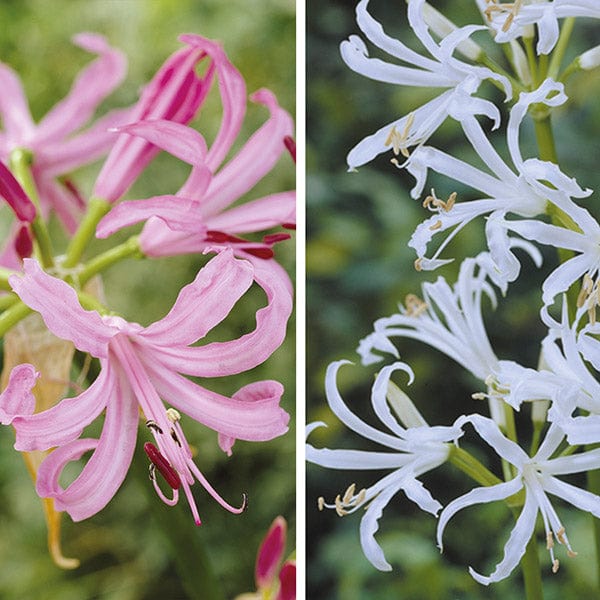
<point x="270" y="553"/>
<point x="13" y="193"/>
<point x="24" y="242"/>
<point x="162" y="464"/>
<point x="290" y="144"/>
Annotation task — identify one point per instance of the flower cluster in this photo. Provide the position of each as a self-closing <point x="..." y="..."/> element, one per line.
<point x="526" y="204"/>
<point x="141" y="372"/>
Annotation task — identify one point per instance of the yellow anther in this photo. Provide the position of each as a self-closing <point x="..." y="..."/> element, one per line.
<point x="173" y="415"/>
<point x="348" y="495"/>
<point x="419" y="264"/>
<point x="398" y="140"/>
<point x="549" y="541"/>
<point x="435" y="226"/>
<point x="414" y="305"/>
<point x="555" y="565"/>
<point x="321" y="503"/>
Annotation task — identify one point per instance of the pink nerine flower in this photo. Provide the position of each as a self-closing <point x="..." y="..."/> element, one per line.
<point x="141" y="367"/>
<point x="57" y="143"/>
<point x="201" y="212"/>
<point x="174" y="94"/>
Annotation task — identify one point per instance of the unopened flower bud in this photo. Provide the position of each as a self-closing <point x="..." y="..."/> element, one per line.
<point x="590" y="59"/>
<point x="442" y="26"/>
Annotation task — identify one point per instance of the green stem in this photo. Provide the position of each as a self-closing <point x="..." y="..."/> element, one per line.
<point x="561" y="46"/>
<point x="11" y="316"/>
<point x="8" y="300"/>
<point x="20" y="163"/>
<point x="101" y="262"/>
<point x="4" y="275"/>
<point x="97" y="208"/>
<point x="530" y="567"/>
<point x="468" y="464"/>
<point x="531" y="61"/>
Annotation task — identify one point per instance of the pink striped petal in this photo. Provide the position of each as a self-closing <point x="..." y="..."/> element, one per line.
<point x="257" y="157"/>
<point x="233" y="98"/>
<point x="64" y="422"/>
<point x="14" y="108"/>
<point x="17" y="398"/>
<point x="91" y="86"/>
<point x="178" y="214"/>
<point x="204" y="303"/>
<point x="104" y="472"/>
<point x="258" y="215"/>
<point x="270" y="553"/>
<point x="84" y="147"/>
<point x="219" y="359"/>
<point x="58" y="305"/>
<point x="179" y="140"/>
<point x="175" y="93"/>
<point x="252" y="414"/>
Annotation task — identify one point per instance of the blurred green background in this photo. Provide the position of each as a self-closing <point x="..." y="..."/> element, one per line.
<point x="137" y="548"/>
<point x="359" y="268"/>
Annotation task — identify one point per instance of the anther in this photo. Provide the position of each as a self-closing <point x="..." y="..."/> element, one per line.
<point x="414" y="305"/>
<point x="153" y="425"/>
<point x="555" y="565"/>
<point x="173" y="415"/>
<point x="162" y="464"/>
<point x="321" y="503"/>
<point x="419" y="264"/>
<point x="436" y="225"/>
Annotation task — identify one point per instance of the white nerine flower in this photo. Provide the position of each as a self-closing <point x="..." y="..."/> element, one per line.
<point x="537" y="477"/>
<point x="511" y="20"/>
<point x="576" y="405"/>
<point x="450" y="320"/>
<point x="443" y="71"/>
<point x="416" y="449"/>
<point x="523" y="192"/>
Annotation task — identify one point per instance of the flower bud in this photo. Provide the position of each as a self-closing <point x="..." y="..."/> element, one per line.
<point x="590" y="59"/>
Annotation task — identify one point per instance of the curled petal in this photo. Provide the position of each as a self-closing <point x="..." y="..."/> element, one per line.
<point x="92" y="85"/>
<point x="65" y="421"/>
<point x="104" y="472"/>
<point x="58" y="305"/>
<point x="204" y="303"/>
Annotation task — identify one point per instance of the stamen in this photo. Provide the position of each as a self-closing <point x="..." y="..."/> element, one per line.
<point x="398" y="140"/>
<point x="162" y="464"/>
<point x="321" y="503"/>
<point x="555" y="565"/>
<point x="436" y="225"/>
<point x="153" y="425"/>
<point x="414" y="305"/>
<point x="173" y="415"/>
<point x="419" y="264"/>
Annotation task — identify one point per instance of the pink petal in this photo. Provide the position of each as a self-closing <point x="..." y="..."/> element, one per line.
<point x="179" y="140"/>
<point x="253" y="413"/>
<point x="178" y="214"/>
<point x="258" y="215"/>
<point x="104" y="471"/>
<point x="57" y="197"/>
<point x="64" y="422"/>
<point x="17" y="398"/>
<point x="12" y="192"/>
<point x="287" y="581"/>
<point x="197" y="183"/>
<point x="204" y="303"/>
<point x="175" y="94"/>
<point x="87" y="146"/>
<point x="270" y="553"/>
<point x="256" y="158"/>
<point x="219" y="359"/>
<point x="91" y="86"/>
<point x="58" y="305"/>
<point x="233" y="98"/>
<point x="14" y="108"/>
